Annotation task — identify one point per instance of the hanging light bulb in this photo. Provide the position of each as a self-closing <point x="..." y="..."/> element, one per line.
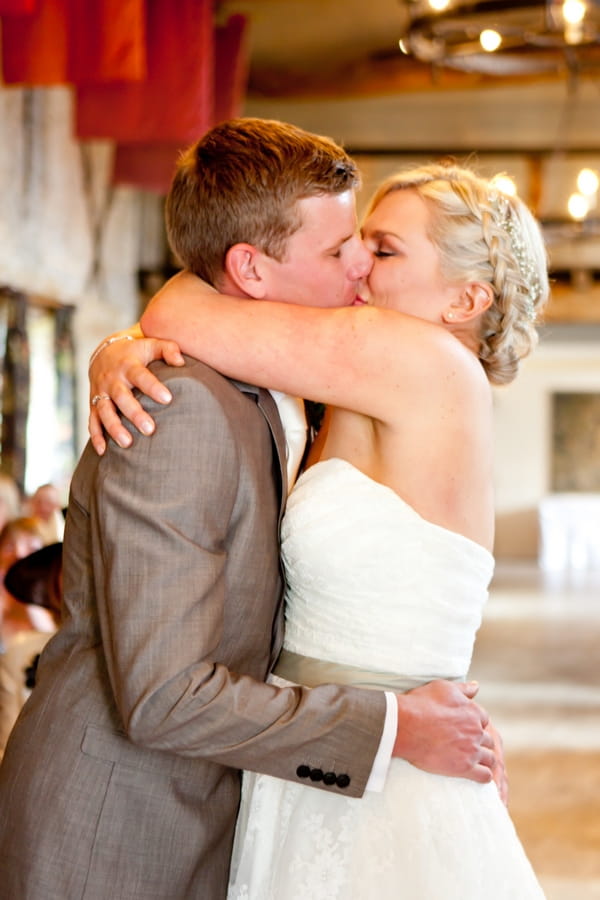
<point x="578" y="206"/>
<point x="490" y="40"/>
<point x="573" y="12"/>
<point x="588" y="182"/>
<point x="439" y="5"/>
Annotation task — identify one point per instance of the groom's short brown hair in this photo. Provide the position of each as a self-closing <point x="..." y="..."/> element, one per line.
<point x="240" y="184"/>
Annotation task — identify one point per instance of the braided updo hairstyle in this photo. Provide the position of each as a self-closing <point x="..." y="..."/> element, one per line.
<point x="482" y="234"/>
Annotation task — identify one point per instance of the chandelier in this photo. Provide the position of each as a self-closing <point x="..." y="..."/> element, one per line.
<point x="522" y="37"/>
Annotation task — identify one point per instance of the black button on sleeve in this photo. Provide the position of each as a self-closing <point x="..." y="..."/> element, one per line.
<point x="343" y="781"/>
<point x="303" y="771"/>
<point x="329" y="778"/>
<point x="316" y="774"/>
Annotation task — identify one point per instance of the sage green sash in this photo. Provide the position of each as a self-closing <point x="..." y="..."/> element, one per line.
<point x="311" y="672"/>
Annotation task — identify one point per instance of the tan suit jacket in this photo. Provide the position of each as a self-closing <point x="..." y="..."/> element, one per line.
<point x="121" y="778"/>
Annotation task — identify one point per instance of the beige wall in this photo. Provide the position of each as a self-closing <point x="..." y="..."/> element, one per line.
<point x="523" y="437"/>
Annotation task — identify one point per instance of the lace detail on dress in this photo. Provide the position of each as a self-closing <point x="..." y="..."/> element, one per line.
<point x="424" y="838"/>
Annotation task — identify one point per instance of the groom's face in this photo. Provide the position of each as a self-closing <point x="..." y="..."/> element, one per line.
<point x="325" y="259"/>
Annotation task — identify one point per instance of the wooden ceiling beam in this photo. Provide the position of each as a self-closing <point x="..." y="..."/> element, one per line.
<point x="372" y="77"/>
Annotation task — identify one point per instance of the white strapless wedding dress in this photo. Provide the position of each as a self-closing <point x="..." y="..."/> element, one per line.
<point x="372" y="584"/>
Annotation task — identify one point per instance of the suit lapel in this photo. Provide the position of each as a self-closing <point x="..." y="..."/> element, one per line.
<point x="268" y="408"/>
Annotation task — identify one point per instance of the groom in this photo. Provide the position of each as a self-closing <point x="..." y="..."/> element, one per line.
<point x="121" y="777"/>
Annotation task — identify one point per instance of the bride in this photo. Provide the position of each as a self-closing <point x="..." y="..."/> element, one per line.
<point x="388" y="534"/>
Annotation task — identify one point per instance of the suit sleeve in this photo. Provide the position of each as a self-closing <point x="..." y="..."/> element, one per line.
<point x="160" y="522"/>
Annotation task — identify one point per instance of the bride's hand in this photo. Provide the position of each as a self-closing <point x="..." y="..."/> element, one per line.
<point x="115" y="369"/>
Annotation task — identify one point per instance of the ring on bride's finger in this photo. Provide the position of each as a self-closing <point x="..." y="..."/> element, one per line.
<point x="98" y="397"/>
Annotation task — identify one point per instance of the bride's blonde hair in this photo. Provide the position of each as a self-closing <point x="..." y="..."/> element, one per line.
<point x="482" y="234"/>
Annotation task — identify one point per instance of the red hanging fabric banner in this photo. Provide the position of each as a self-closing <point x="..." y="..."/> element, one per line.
<point x="34" y="47"/>
<point x="17" y="7"/>
<point x="147" y="166"/>
<point x="175" y="102"/>
<point x="69" y="41"/>
<point x="151" y="166"/>
<point x="107" y="41"/>
<point x="231" y="68"/>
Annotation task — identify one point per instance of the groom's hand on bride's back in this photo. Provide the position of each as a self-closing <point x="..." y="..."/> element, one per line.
<point x="442" y="730"/>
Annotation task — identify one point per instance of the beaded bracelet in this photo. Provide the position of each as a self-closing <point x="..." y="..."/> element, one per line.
<point x="106" y="343"/>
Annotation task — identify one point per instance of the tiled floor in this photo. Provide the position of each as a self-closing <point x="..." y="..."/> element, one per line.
<point x="537" y="659"/>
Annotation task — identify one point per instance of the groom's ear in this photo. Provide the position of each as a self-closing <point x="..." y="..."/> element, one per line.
<point x="243" y="265"/>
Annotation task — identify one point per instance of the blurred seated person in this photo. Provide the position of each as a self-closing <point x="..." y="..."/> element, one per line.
<point x="45" y="506"/>
<point x="18" y="538"/>
<point x="10" y="499"/>
<point x="33" y="581"/>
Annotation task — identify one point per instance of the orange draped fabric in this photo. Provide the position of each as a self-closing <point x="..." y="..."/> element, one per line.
<point x="70" y="41"/>
<point x="151" y="75"/>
